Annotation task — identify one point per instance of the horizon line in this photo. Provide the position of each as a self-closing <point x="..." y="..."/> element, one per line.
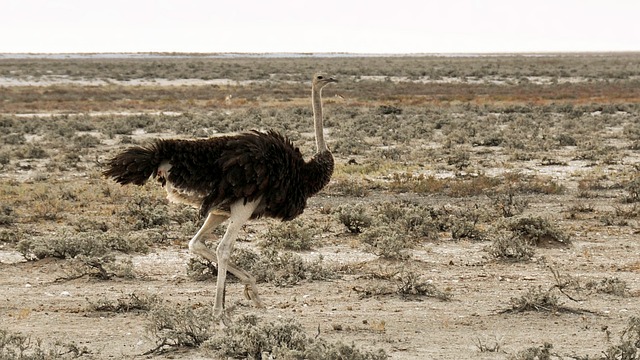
<point x="285" y="54"/>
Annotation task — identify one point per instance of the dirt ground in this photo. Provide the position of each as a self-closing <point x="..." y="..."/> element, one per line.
<point x="37" y="300"/>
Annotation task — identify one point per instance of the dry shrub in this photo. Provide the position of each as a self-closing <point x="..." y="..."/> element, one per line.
<point x="389" y="243"/>
<point x="68" y="245"/>
<point x="293" y="235"/>
<point x="627" y="212"/>
<point x="101" y="268"/>
<point x="63" y="246"/>
<point x="22" y="347"/>
<point x="629" y="346"/>
<point x="535" y="299"/>
<point x="418" y="220"/>
<point x="407" y="284"/>
<point x="542" y="186"/>
<point x="508" y="204"/>
<point x="633" y="191"/>
<point x="250" y="338"/>
<point x="7" y="215"/>
<point x="130" y="303"/>
<point x="536" y="353"/>
<point x="348" y="187"/>
<point x="395" y="227"/>
<point x="593" y="184"/>
<point x="287" y="268"/>
<point x="48" y="206"/>
<point x="536" y="230"/>
<point x="173" y="327"/>
<point x="609" y="285"/>
<point x="420" y="184"/>
<point x="271" y="266"/>
<point x="411" y="285"/>
<point x="510" y="248"/>
<point x="463" y="223"/>
<point x="472" y="187"/>
<point x="354" y="217"/>
<point x="146" y="211"/>
<point x="11" y="236"/>
<point x="459" y="159"/>
<point x="246" y="337"/>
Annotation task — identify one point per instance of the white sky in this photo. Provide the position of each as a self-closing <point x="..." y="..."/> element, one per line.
<point x="368" y="26"/>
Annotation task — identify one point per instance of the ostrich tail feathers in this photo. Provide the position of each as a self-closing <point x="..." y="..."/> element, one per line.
<point x="134" y="165"/>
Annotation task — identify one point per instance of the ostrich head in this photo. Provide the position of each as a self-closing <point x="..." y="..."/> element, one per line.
<point x="321" y="80"/>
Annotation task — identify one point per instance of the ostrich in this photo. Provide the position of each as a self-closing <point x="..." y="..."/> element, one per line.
<point x="232" y="178"/>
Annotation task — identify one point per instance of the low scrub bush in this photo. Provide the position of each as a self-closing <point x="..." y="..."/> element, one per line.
<point x="420" y="184"/>
<point x="411" y="285"/>
<point x="463" y="223"/>
<point x="391" y="229"/>
<point x="67" y="245"/>
<point x="508" y="204"/>
<point x="17" y="346"/>
<point x="629" y="346"/>
<point x="536" y="230"/>
<point x="348" y="187"/>
<point x="633" y="191"/>
<point x="389" y="243"/>
<point x="535" y="299"/>
<point x="414" y="219"/>
<point x="609" y="285"/>
<point x="146" y="211"/>
<point x="173" y="327"/>
<point x="7" y="215"/>
<point x="130" y="303"/>
<point x="246" y="337"/>
<point x="293" y="235"/>
<point x="271" y="266"/>
<point x="536" y="353"/>
<point x="287" y="268"/>
<point x="407" y="284"/>
<point x="250" y="338"/>
<point x="354" y="218"/>
<point x="102" y="268"/>
<point x="510" y="248"/>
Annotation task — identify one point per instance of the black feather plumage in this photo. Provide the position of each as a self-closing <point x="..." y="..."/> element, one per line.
<point x="221" y="170"/>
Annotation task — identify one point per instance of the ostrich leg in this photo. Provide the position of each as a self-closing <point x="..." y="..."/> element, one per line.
<point x="197" y="246"/>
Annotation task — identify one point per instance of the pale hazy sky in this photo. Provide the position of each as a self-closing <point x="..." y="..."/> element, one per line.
<point x="390" y="26"/>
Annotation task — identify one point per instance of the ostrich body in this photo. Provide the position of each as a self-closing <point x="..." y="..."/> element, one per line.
<point x="234" y="178"/>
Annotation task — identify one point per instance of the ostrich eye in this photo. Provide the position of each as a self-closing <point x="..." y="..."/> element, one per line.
<point x="319" y="77"/>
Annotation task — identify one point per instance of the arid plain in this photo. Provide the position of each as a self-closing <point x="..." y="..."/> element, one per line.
<point x="482" y="207"/>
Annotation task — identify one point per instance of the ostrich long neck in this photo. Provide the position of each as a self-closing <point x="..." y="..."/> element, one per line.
<point x="316" y="99"/>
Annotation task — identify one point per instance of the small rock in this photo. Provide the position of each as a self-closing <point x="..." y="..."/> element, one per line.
<point x="65" y="293"/>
